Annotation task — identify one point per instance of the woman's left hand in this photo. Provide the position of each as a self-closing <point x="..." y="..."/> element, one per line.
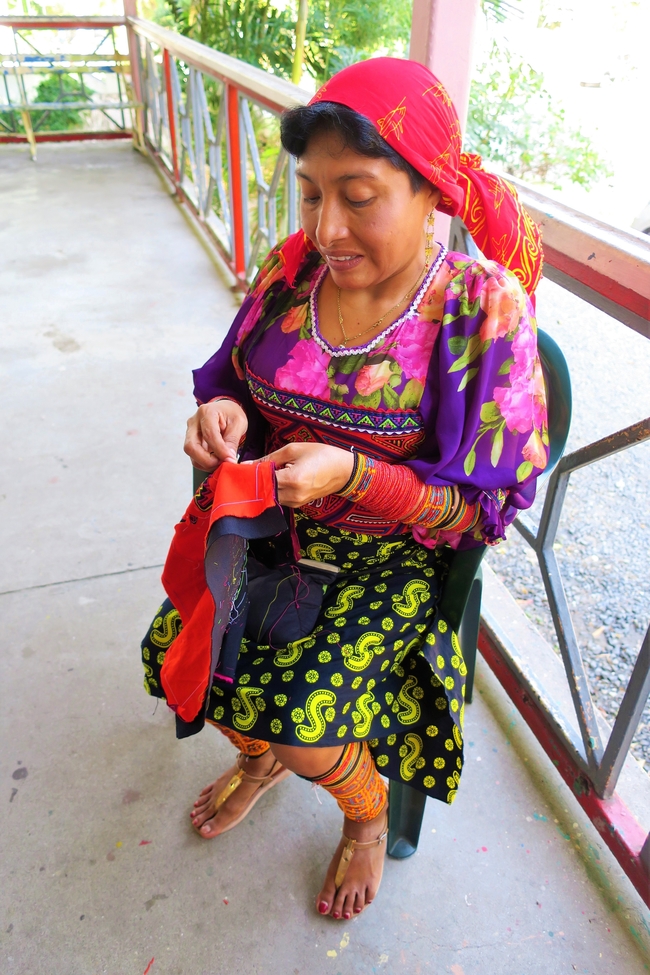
<point x="308" y="471"/>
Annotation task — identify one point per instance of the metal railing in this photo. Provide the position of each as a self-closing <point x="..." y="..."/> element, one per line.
<point x="206" y="115"/>
<point x="210" y="124"/>
<point x="27" y="61"/>
<point x="610" y="269"/>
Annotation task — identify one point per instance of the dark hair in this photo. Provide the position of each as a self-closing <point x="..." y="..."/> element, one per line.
<point x="299" y="125"/>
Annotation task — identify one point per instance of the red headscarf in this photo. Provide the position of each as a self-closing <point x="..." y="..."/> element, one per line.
<point x="414" y="114"/>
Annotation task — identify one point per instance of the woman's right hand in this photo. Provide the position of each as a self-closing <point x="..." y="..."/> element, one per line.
<point x="214" y="433"/>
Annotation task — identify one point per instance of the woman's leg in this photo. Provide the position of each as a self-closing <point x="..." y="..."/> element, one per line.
<point x="349" y="773"/>
<point x="257" y="761"/>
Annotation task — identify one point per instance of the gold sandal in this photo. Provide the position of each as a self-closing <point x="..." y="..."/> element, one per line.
<point x="348" y="852"/>
<point x="264" y="782"/>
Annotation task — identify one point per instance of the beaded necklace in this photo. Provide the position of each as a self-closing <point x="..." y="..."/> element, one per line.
<point x="338" y="351"/>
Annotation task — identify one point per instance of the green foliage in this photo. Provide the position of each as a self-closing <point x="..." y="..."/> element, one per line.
<point x="251" y="30"/>
<point x="500" y="10"/>
<point x="53" y="88"/>
<point x="339" y="32"/>
<point x="514" y="121"/>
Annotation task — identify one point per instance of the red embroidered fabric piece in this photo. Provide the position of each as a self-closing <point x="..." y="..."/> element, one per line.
<point x="234" y="490"/>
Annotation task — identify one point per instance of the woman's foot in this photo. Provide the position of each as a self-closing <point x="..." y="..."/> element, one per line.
<point x="361" y="882"/>
<point x="209" y="822"/>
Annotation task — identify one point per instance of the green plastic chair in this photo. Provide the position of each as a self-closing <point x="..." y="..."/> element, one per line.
<point x="460" y="602"/>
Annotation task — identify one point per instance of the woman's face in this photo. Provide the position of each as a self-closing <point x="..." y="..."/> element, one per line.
<point x="361" y="213"/>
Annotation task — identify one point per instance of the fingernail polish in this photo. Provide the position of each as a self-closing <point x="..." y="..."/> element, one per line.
<point x="322" y="907"/>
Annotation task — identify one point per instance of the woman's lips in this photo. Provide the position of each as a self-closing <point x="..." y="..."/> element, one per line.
<point x="343" y="262"/>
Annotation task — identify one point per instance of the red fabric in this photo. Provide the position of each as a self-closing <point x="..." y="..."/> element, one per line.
<point x="293" y="253"/>
<point x="242" y="490"/>
<point x="413" y="112"/>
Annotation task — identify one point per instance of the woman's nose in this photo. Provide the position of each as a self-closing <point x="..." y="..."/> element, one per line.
<point x="332" y="225"/>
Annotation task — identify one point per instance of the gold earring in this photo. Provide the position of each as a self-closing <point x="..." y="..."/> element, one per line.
<point x="428" y="240"/>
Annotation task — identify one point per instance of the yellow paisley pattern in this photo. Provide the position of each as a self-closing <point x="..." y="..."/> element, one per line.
<point x="246" y="695"/>
<point x="380" y="665"/>
<point x="344" y="601"/>
<point x="411" y="758"/>
<point x="412" y="709"/>
<point x="293" y="652"/>
<point x="414" y="593"/>
<point x="316" y="728"/>
<point x="166" y="629"/>
<point x="360" y="656"/>
<point x="367" y="707"/>
<point x="321" y="552"/>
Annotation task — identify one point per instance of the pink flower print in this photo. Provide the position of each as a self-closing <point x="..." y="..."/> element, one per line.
<point x="295" y="318"/>
<point x="503" y="305"/>
<point x="524" y="350"/>
<point x="432" y="306"/>
<point x="306" y="370"/>
<point x="517" y="402"/>
<point x="371" y="378"/>
<point x="539" y="397"/>
<point x="534" y="451"/>
<point x="413" y="344"/>
<point x="516" y="405"/>
<point x="252" y="315"/>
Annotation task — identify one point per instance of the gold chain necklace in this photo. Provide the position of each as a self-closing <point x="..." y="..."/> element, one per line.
<point x="350" y="338"/>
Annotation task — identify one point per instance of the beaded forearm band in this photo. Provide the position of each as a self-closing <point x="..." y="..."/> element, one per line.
<point x="394" y="492"/>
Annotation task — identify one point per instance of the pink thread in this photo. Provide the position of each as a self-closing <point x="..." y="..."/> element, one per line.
<point x="295" y="602"/>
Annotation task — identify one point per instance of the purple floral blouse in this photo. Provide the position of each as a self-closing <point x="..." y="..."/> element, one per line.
<point x="453" y="388"/>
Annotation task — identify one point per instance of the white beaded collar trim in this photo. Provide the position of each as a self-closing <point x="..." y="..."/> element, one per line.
<point x="340" y="351"/>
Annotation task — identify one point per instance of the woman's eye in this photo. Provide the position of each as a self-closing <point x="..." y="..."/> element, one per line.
<point x="310" y="199"/>
<point x="359" y="203"/>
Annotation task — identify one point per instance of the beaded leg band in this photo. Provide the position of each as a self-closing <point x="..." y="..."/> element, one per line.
<point x="355" y="783"/>
<point x="252" y="747"/>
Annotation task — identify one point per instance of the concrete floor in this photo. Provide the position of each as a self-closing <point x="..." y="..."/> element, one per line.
<point x="107" y="301"/>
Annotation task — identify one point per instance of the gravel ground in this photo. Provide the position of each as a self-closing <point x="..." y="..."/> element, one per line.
<point x="603" y="544"/>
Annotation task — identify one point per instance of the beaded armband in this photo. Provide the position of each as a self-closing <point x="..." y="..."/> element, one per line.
<point x="394" y="492"/>
<point x="360" y="478"/>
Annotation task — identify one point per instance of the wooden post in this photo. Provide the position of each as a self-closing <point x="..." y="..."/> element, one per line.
<point x="131" y="10"/>
<point x="442" y="33"/>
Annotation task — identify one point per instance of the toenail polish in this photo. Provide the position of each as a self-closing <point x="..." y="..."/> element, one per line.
<point x="336" y="915"/>
<point x="322" y="907"/>
<point x="357" y="910"/>
<point x="347" y="915"/>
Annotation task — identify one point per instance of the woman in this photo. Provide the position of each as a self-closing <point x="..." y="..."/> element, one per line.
<point x="397" y="389"/>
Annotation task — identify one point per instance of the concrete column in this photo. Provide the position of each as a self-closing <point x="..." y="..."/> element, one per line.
<point x="442" y="33"/>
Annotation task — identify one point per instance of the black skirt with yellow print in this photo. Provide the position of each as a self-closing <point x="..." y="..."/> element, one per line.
<point x="380" y="664"/>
